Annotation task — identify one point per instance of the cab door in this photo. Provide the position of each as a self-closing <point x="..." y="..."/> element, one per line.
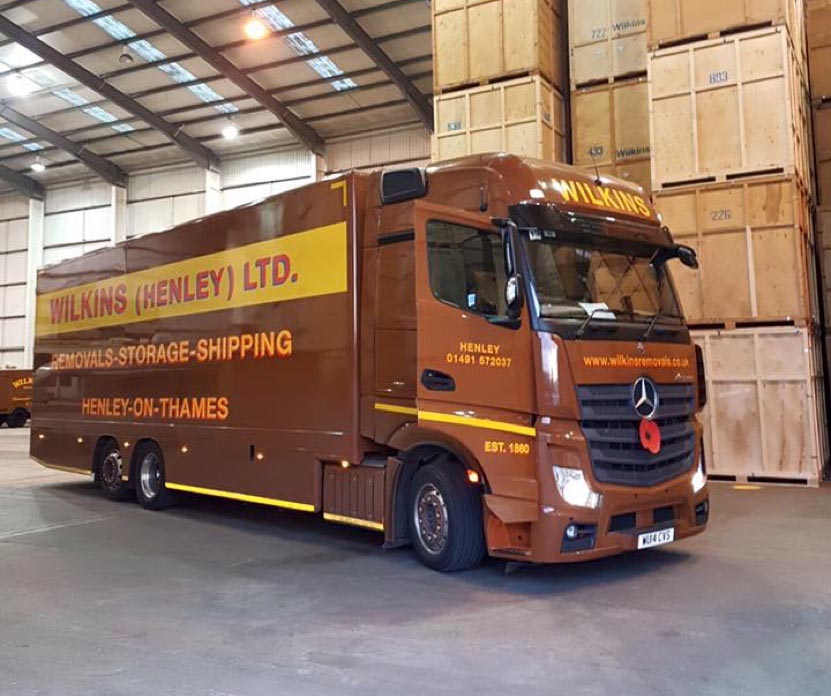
<point x="474" y="359"/>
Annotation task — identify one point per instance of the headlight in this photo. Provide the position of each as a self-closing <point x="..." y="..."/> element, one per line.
<point x="574" y="489"/>
<point x="699" y="479"/>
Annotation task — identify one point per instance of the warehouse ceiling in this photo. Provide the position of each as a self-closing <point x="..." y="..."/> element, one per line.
<point x="111" y="86"/>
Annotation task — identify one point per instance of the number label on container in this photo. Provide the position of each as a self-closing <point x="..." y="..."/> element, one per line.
<point x="599" y="33"/>
<point x="722" y="215"/>
<point x="719" y="77"/>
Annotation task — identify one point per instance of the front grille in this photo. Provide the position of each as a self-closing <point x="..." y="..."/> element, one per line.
<point x="610" y="425"/>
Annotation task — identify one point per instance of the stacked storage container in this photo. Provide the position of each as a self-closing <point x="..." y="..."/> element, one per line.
<point x="732" y="175"/>
<point x="609" y="97"/>
<point x="498" y="72"/>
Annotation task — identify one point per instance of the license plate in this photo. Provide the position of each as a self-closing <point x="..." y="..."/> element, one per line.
<point x="648" y="540"/>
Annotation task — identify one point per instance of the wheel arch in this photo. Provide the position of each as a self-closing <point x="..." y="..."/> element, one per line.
<point x="417" y="447"/>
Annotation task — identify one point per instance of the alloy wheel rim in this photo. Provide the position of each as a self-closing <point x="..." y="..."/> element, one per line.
<point x="150" y="476"/>
<point x="431" y="519"/>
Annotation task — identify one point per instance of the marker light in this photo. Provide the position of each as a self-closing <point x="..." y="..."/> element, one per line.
<point x="473" y="476"/>
<point x="699" y="479"/>
<point x="126" y="444"/>
<point x="184" y="449"/>
<point x="574" y="489"/>
<point x="230" y="132"/>
<point x="260" y="456"/>
<point x="80" y="441"/>
<point x="344" y="464"/>
<point x="255" y="29"/>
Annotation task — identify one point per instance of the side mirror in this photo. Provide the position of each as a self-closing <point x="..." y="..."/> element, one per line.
<point x="687" y="256"/>
<point x="512" y="293"/>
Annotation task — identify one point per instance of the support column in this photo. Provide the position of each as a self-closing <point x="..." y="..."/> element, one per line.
<point x="34" y="262"/>
<point x="118" y="212"/>
<point x="318" y="166"/>
<point x="213" y="192"/>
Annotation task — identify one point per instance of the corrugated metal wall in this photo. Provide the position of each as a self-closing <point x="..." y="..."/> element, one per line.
<point x="407" y="146"/>
<point x="14" y="227"/>
<point x="77" y="219"/>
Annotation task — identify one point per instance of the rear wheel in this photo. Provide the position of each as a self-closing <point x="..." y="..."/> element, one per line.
<point x="18" y="418"/>
<point x="110" y="472"/>
<point x="150" y="479"/>
<point x="446" y="518"/>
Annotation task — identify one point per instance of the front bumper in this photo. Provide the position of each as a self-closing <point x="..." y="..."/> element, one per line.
<point x="614" y="527"/>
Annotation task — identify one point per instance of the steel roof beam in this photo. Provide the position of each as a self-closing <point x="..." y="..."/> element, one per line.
<point x="101" y="166"/>
<point x="200" y="154"/>
<point x="421" y="105"/>
<point x="21" y="183"/>
<point x="302" y="131"/>
<point x="196" y="107"/>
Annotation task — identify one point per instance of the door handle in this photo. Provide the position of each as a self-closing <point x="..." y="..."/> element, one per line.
<point x="437" y="381"/>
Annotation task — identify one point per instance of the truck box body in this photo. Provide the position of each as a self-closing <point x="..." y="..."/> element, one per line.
<point x="312" y="351"/>
<point x="168" y="348"/>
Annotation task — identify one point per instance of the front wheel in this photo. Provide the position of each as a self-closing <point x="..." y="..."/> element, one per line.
<point x="150" y="479"/>
<point x="446" y="526"/>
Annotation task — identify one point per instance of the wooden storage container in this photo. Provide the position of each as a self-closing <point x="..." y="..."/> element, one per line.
<point x="610" y="128"/>
<point x="728" y="108"/>
<point x="607" y="40"/>
<point x="476" y="41"/>
<point x="523" y="116"/>
<point x="819" y="48"/>
<point x="683" y="21"/>
<point x="754" y="247"/>
<point x="822" y="143"/>
<point x="765" y="416"/>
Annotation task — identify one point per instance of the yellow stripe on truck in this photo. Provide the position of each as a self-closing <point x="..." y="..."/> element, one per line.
<point x="303" y="507"/>
<point x="305" y="264"/>
<point x="354" y="521"/>
<point x="484" y="423"/>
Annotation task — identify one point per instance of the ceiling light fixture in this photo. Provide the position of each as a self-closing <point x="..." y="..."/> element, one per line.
<point x="126" y="58"/>
<point x="20" y="85"/>
<point x="38" y="167"/>
<point x="255" y="28"/>
<point x="230" y="132"/>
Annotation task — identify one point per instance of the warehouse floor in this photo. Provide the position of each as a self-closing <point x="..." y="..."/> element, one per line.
<point x="218" y="598"/>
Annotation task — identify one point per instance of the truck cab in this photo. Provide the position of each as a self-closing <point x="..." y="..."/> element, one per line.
<point x="528" y="364"/>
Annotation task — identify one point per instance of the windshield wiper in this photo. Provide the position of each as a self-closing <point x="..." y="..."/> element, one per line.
<point x="585" y="325"/>
<point x="649" y="329"/>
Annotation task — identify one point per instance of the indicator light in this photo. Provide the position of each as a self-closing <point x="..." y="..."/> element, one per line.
<point x="473" y="476"/>
<point x="260" y="456"/>
<point x="344" y="464"/>
<point x="80" y="441"/>
<point x="184" y="449"/>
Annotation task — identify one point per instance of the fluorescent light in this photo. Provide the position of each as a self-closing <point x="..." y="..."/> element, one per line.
<point x="38" y="167"/>
<point x="20" y="86"/>
<point x="230" y="131"/>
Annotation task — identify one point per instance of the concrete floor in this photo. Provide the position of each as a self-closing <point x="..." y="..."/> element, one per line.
<point x="217" y="599"/>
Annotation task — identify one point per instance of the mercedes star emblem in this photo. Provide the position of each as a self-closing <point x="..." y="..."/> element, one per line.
<point x="645" y="398"/>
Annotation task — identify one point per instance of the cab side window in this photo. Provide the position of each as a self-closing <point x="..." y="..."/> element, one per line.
<point x="467" y="268"/>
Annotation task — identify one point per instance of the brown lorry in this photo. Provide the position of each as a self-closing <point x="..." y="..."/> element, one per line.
<point x="486" y="356"/>
<point x="15" y="397"/>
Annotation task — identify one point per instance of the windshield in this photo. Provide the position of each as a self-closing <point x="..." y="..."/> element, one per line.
<point x="601" y="281"/>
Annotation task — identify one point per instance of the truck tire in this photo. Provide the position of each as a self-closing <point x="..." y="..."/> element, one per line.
<point x="445" y="513"/>
<point x="18" y="418"/>
<point x="149" y="477"/>
<point x="109" y="471"/>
